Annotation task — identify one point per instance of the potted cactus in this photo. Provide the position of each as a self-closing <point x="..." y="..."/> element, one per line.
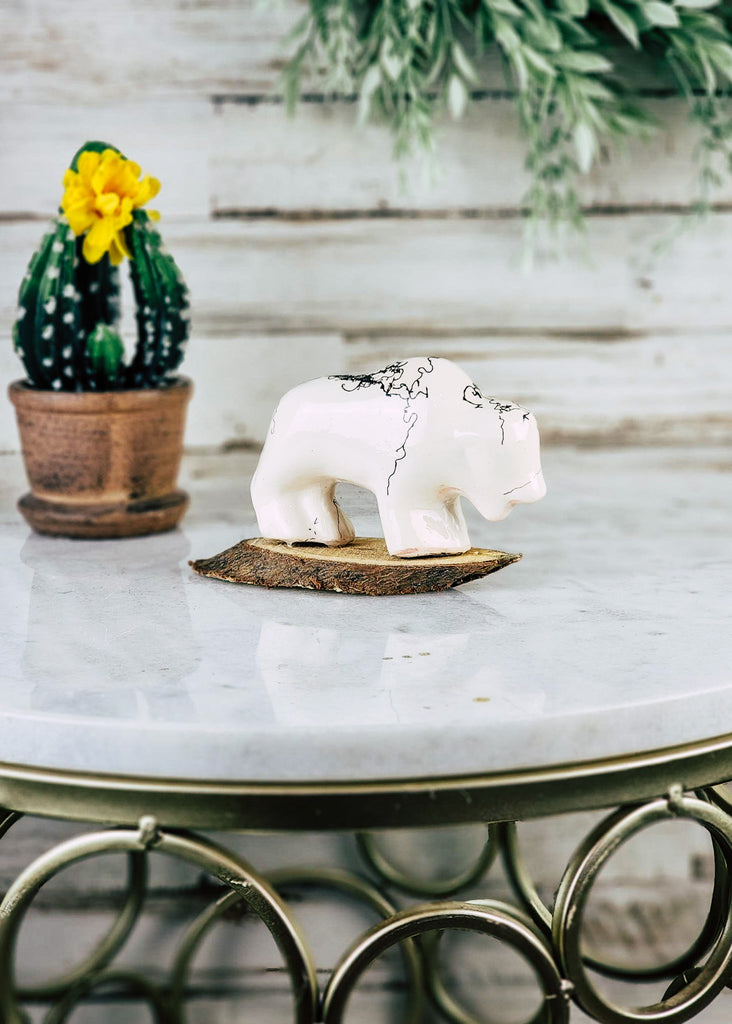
<point x="102" y="435"/>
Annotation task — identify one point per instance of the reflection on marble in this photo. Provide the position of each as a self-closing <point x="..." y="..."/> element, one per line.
<point x="408" y="675"/>
<point x="613" y="636"/>
<point x="115" y="639"/>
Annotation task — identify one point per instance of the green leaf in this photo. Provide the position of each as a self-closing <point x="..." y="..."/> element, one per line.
<point x="660" y="14"/>
<point x="504" y="7"/>
<point x="590" y="87"/>
<point x="520" y="69"/>
<point x="699" y="4"/>
<point x="635" y="122"/>
<point x="710" y="78"/>
<point x="539" y="62"/>
<point x="622" y="21"/>
<point x="702" y="25"/>
<point x="390" y="61"/>
<point x="575" y="8"/>
<point x="544" y="34"/>
<point x="436" y="69"/>
<point x="575" y="35"/>
<point x="535" y="7"/>
<point x="457" y="96"/>
<point x="586" y="61"/>
<point x="585" y="143"/>
<point x="369" y="84"/>
<point x="463" y="65"/>
<point x="721" y="56"/>
<point x="507" y="37"/>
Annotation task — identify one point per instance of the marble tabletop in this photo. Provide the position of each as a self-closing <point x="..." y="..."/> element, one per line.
<point x="613" y="635"/>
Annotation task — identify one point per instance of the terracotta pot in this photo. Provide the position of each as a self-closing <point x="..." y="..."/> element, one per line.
<point x="102" y="464"/>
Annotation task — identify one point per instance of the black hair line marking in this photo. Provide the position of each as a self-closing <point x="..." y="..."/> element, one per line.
<point x="475" y="397"/>
<point x="391" y="381"/>
<point x="410" y="417"/>
<point x="525" y="484"/>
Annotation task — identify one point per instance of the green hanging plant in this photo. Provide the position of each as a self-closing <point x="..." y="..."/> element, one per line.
<point x="407" y="60"/>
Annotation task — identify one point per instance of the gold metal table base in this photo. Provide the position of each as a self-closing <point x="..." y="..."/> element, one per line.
<point x="549" y="939"/>
<point x="357" y="805"/>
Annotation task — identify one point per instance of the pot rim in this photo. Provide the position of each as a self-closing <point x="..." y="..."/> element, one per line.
<point x="23" y="394"/>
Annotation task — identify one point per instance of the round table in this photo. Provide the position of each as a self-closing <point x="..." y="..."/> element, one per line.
<point x="595" y="672"/>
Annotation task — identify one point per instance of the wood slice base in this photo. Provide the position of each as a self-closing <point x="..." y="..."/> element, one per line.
<point x="97" y="521"/>
<point x="362" y="567"/>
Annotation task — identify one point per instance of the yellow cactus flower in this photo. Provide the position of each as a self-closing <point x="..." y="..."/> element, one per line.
<point x="99" y="199"/>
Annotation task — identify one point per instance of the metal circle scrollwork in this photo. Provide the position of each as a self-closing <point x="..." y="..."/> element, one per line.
<point x="131" y="982"/>
<point x="439" y="889"/>
<point x="328" y="878"/>
<point x="484" y="916"/>
<point x="362" y="890"/>
<point x="7" y="820"/>
<point x="697" y="989"/>
<point x="524" y="888"/>
<point x="443" y="1000"/>
<point x="720" y="795"/>
<point x="107" y="947"/>
<point x="207" y="856"/>
<point x="520" y="879"/>
<point x="111" y="943"/>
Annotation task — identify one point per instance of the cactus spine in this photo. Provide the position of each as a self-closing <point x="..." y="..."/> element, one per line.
<point x="68" y="313"/>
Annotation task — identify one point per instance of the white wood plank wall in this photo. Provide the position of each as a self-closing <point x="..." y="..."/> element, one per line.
<point x="304" y="257"/>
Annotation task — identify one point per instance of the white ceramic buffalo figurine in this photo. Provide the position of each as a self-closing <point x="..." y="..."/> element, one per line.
<point x="419" y="434"/>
